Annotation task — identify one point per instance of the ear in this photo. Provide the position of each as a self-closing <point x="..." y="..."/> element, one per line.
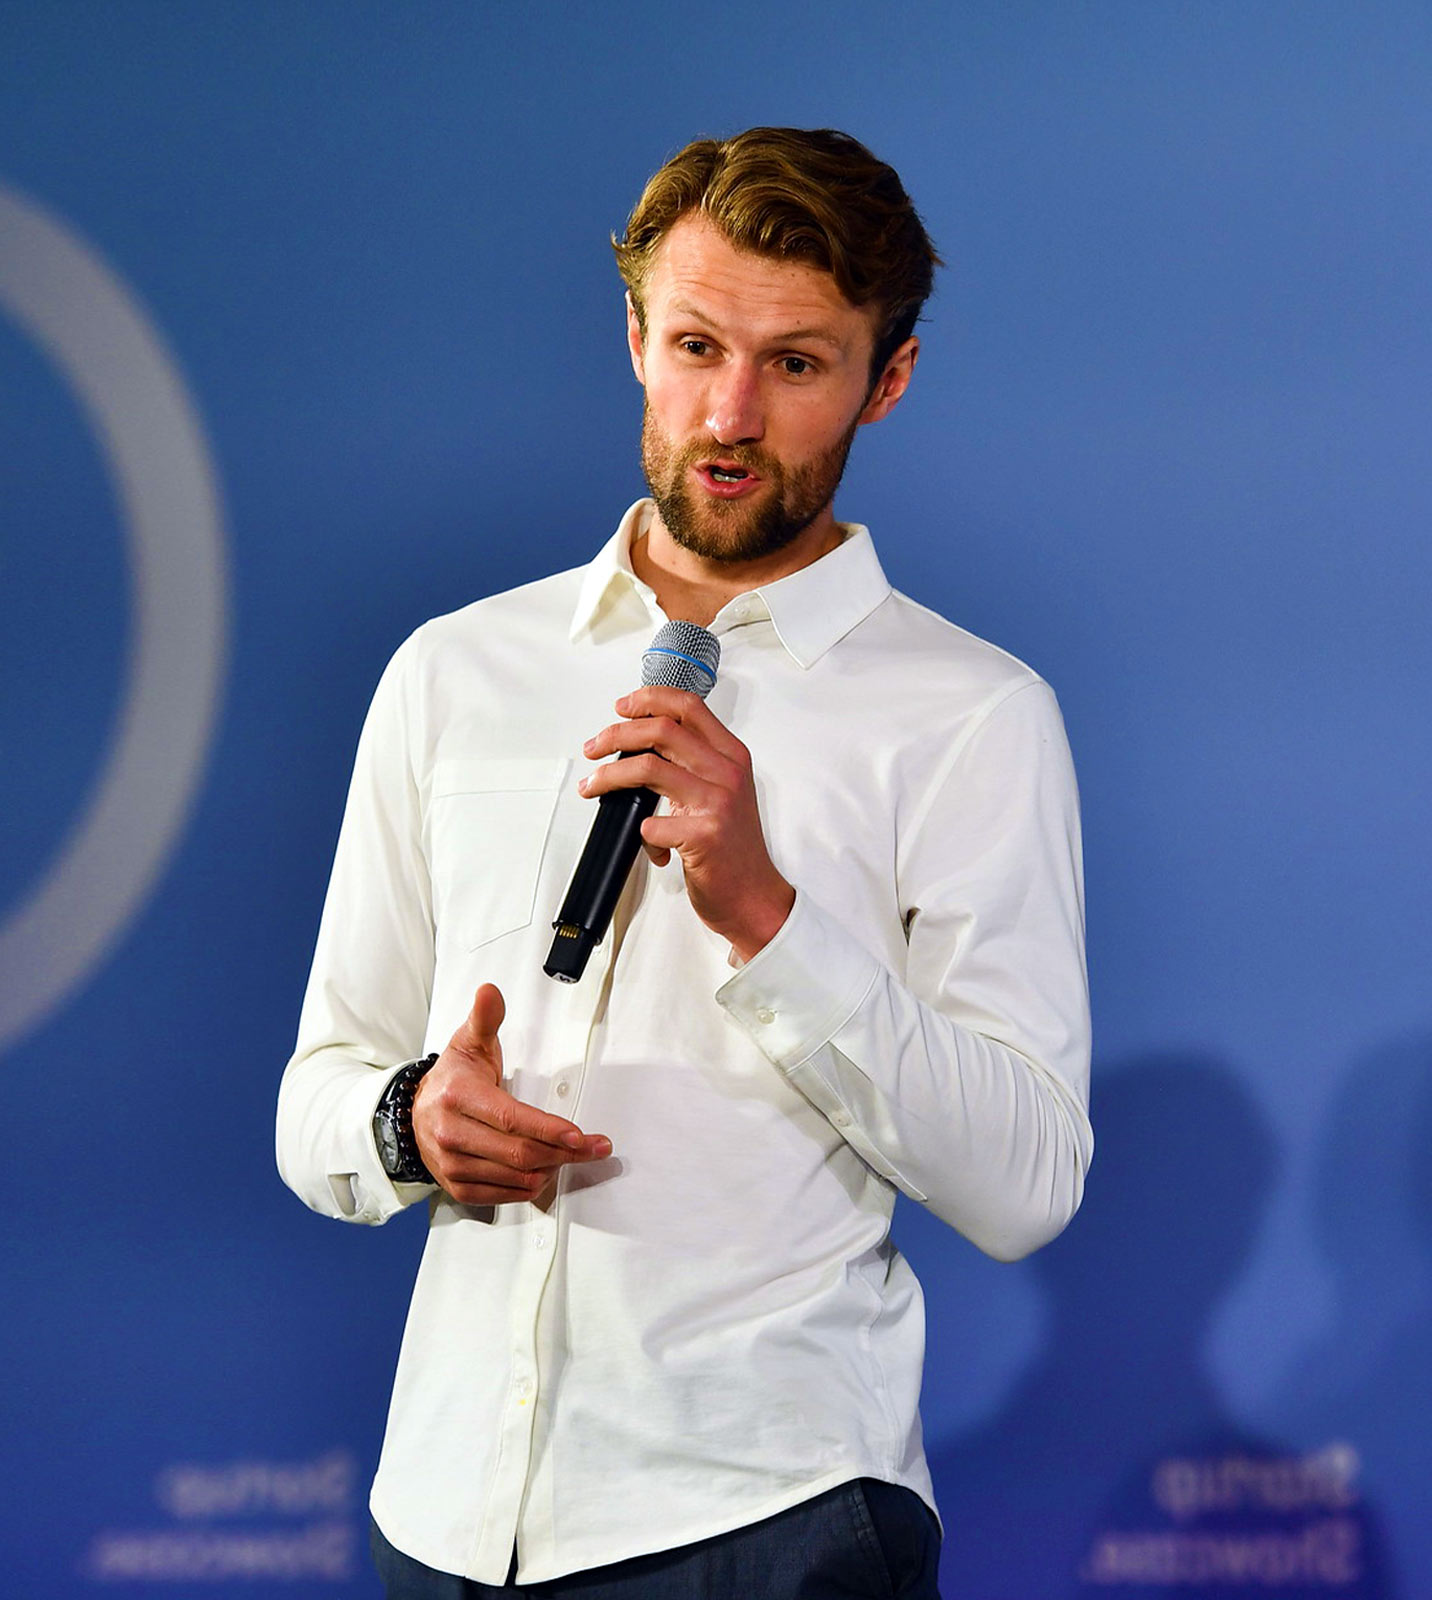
<point x="634" y="344"/>
<point x="892" y="383"/>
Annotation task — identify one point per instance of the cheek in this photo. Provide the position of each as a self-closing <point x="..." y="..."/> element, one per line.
<point x="671" y="401"/>
<point x="816" y="428"/>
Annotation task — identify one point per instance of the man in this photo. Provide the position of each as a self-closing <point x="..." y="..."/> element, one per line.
<point x="660" y="1343"/>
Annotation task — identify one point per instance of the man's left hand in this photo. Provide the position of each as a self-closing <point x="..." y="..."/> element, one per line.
<point x="687" y="755"/>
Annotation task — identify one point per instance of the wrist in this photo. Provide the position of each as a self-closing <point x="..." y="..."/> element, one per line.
<point x="763" y="923"/>
<point x="393" y="1124"/>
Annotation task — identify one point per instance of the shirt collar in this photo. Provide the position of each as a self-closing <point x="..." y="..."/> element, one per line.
<point x="811" y="609"/>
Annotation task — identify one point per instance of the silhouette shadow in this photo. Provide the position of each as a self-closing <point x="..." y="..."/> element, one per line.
<point x="1114" y="1468"/>
<point x="1368" y="1378"/>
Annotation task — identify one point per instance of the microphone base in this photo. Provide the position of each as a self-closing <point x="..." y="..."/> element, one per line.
<point x="571" y="947"/>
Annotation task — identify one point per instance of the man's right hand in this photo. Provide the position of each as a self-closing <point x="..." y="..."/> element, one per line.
<point x="482" y="1145"/>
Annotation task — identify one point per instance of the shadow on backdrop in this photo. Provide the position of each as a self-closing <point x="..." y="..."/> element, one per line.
<point x="1114" y="1469"/>
<point x="1368" y="1378"/>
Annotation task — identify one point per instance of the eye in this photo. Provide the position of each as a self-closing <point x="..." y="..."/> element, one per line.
<point x="796" y="366"/>
<point x="695" y="347"/>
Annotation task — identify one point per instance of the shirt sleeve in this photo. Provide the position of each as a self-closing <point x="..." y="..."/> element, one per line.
<point x="965" y="1081"/>
<point x="375" y="941"/>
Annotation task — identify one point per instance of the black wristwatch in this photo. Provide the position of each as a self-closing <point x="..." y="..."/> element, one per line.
<point x="393" y="1125"/>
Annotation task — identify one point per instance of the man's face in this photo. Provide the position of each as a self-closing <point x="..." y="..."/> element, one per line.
<point x="757" y="374"/>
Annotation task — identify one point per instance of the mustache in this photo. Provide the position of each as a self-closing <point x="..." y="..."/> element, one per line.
<point x="750" y="458"/>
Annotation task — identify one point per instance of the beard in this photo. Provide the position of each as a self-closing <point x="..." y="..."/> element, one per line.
<point x="732" y="531"/>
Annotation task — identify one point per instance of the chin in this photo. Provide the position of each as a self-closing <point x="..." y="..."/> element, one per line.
<point x="731" y="533"/>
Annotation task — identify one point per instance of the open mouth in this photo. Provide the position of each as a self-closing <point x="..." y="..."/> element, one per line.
<point x="724" y="478"/>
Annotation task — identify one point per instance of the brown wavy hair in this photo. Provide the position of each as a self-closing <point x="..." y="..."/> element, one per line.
<point x="811" y="195"/>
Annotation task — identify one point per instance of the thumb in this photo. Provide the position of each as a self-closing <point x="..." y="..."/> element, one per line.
<point x="479" y="1033"/>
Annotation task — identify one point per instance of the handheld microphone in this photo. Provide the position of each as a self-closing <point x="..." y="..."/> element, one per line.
<point x="681" y="656"/>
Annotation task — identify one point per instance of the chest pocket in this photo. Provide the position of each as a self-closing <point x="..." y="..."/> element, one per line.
<point x="488" y="822"/>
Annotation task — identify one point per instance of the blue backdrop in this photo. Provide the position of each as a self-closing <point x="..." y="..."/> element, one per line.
<point x="309" y="330"/>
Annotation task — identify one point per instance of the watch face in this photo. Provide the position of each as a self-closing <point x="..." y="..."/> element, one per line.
<point x="387" y="1145"/>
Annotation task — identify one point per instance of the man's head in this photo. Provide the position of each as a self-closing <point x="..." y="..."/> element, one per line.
<point x="773" y="281"/>
<point x="813" y="196"/>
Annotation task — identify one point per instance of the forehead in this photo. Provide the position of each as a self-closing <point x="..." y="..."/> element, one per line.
<point x="697" y="270"/>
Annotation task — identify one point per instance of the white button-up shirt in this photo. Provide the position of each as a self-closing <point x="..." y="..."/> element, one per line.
<point x="712" y="1324"/>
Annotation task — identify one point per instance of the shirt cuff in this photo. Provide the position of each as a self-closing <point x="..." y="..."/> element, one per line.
<point x="366" y="1193"/>
<point x="795" y="997"/>
<point x="797" y="992"/>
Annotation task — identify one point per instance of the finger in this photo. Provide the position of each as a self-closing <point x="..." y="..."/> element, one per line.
<point x="472" y="1141"/>
<point x="684" y="707"/>
<point x="657" y="854"/>
<point x="462" y="1149"/>
<point x="684" y="789"/>
<point x="696" y="835"/>
<point x="491" y="1193"/>
<point x="497" y="1114"/>
<point x="464" y="1110"/>
<point x="476" y="1039"/>
<point x="486" y="1016"/>
<point x="672" y="833"/>
<point x="474" y="1170"/>
<point x="676" y="742"/>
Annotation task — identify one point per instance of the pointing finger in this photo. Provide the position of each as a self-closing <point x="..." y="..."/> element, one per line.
<point x="686" y="708"/>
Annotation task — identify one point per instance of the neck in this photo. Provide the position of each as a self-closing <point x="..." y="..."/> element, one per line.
<point x="694" y="587"/>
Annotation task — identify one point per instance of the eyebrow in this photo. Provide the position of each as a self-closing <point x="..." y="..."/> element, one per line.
<point x="813" y="335"/>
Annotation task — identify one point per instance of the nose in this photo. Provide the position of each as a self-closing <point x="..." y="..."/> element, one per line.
<point x="735" y="414"/>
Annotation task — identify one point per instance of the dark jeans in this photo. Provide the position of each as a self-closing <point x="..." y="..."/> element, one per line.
<point x="865" y="1540"/>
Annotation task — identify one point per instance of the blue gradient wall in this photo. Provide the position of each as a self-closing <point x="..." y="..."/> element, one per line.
<point x="309" y="330"/>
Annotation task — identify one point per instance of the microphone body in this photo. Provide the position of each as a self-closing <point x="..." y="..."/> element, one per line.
<point x="682" y="656"/>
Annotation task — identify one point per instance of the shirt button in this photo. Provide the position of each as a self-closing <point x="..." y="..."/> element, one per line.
<point x="765" y="1014"/>
<point x="841" y="1119"/>
<point x="523" y="1388"/>
<point x="540" y="1241"/>
<point x="563" y="1088"/>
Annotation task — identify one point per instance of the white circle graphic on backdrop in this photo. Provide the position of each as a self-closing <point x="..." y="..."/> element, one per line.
<point x="130" y="392"/>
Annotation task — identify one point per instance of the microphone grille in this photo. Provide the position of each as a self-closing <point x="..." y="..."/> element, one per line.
<point x="681" y="656"/>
